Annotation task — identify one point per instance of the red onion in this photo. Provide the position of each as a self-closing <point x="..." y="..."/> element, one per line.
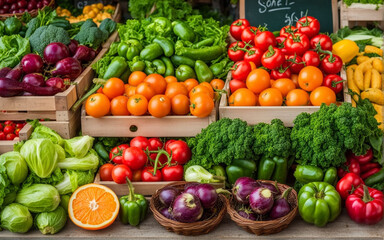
<point x="187" y="208"/>
<point x="207" y="195"/>
<point x="34" y="79"/>
<point x="68" y="67"/>
<point x="166" y="213"/>
<point x="32" y="63"/>
<point x="72" y="47"/>
<point x="4" y="71"/>
<point x="261" y="200"/>
<point x="281" y="206"/>
<point x="167" y="195"/>
<point x="57" y="83"/>
<point x="273" y="187"/>
<point x="55" y="52"/>
<point x="82" y="53"/>
<point x="247" y="213"/>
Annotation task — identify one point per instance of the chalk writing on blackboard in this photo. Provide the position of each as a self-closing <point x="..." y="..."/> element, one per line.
<point x="267" y="6"/>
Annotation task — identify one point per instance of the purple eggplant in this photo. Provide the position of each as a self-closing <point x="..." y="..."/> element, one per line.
<point x="68" y="67"/>
<point x="190" y="187"/>
<point x="34" y="79"/>
<point x="242" y="188"/>
<point x="32" y="63"/>
<point x="273" y="187"/>
<point x="247" y="213"/>
<point x="16" y="73"/>
<point x="261" y="200"/>
<point x="167" y="212"/>
<point x="187" y="208"/>
<point x="82" y="53"/>
<point x="40" y="91"/>
<point x="72" y="47"/>
<point x="207" y="195"/>
<point x="281" y="207"/>
<point x="10" y="88"/>
<point x="4" y="71"/>
<point x="168" y="195"/>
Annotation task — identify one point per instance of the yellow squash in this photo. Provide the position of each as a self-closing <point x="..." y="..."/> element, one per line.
<point x="374" y="95"/>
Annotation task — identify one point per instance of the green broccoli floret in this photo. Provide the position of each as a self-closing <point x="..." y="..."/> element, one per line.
<point x="92" y="37"/>
<point x="88" y="24"/>
<point x="272" y="139"/>
<point x="221" y="142"/>
<point x="45" y="35"/>
<point x="108" y="25"/>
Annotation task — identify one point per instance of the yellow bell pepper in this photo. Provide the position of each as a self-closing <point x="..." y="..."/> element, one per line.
<point x="346" y="49"/>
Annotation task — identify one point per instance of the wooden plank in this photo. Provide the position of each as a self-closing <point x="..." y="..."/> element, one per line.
<point x="125" y="126"/>
<point x="350" y="16"/>
<point x="144" y="188"/>
<point x="31" y="103"/>
<point x="7" y="146"/>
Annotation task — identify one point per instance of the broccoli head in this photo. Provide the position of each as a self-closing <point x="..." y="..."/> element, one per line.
<point x="45" y="35"/>
<point x="92" y="37"/>
<point x="108" y="25"/>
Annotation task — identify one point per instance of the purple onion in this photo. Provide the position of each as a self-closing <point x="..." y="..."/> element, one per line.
<point x="207" y="195"/>
<point x="34" y="79"/>
<point x="72" y="47"/>
<point x="92" y="54"/>
<point x="167" y="195"/>
<point x="16" y="73"/>
<point x="27" y="94"/>
<point x="191" y="187"/>
<point x="68" y="67"/>
<point x="187" y="208"/>
<point x="273" y="187"/>
<point x="261" y="200"/>
<point x="4" y="71"/>
<point x="247" y="213"/>
<point x="242" y="188"/>
<point x="55" y="52"/>
<point x="167" y="212"/>
<point x="281" y="207"/>
<point x="57" y="83"/>
<point x="32" y="63"/>
<point x="82" y="53"/>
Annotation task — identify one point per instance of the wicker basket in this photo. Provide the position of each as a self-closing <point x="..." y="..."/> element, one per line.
<point x="33" y="13"/>
<point x="197" y="228"/>
<point x="265" y="227"/>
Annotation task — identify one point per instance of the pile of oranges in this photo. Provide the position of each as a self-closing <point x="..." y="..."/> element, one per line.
<point x="98" y="12"/>
<point x="153" y="95"/>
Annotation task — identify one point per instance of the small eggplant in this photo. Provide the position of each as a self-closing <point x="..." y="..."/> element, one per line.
<point x="247" y="213"/>
<point x="10" y="87"/>
<point x="281" y="207"/>
<point x="261" y="200"/>
<point x="242" y="188"/>
<point x="82" y="53"/>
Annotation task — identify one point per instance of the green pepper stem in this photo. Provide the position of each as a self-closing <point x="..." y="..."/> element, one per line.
<point x="131" y="196"/>
<point x="366" y="197"/>
<point x="320" y="195"/>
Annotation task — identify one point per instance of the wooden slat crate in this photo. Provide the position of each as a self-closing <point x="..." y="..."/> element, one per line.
<point x="132" y="126"/>
<point x="257" y="114"/>
<point x="144" y="188"/>
<point x="350" y="16"/>
<point x="7" y="146"/>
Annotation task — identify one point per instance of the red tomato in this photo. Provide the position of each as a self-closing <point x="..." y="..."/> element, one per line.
<point x="287" y="31"/>
<point x="8" y="123"/>
<point x="281" y="73"/>
<point x="297" y="44"/>
<point x="235" y="52"/>
<point x="106" y="172"/>
<point x="135" y="158"/>
<point x="1" y="127"/>
<point x="2" y="136"/>
<point x="308" y="25"/>
<point x="311" y="58"/>
<point x="280" y="41"/>
<point x="172" y="173"/>
<point x="8" y="129"/>
<point x="248" y="35"/>
<point x="155" y="144"/>
<point x="140" y="142"/>
<point x="10" y="136"/>
<point x="180" y="151"/>
<point x="235" y="84"/>
<point x="17" y="131"/>
<point x="295" y="63"/>
<point x="20" y="125"/>
<point x="334" y="82"/>
<point x="324" y="41"/>
<point x="237" y="28"/>
<point x="254" y="55"/>
<point x="265" y="39"/>
<point x="273" y="58"/>
<point x="120" y="173"/>
<point x="148" y="175"/>
<point x="331" y="65"/>
<point x="116" y="154"/>
<point x="136" y="176"/>
<point x="241" y="70"/>
<point x="162" y="159"/>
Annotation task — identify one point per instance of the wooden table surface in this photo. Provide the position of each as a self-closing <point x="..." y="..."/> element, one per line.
<point x="342" y="228"/>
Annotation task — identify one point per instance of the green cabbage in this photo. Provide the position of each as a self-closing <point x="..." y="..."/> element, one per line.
<point x="56" y="177"/>
<point x="39" y="198"/>
<point x="51" y="222"/>
<point x="78" y="146"/>
<point x="89" y="162"/>
<point x="41" y="131"/>
<point x="65" y="201"/>
<point x="73" y="180"/>
<point x="17" y="168"/>
<point x="41" y="156"/>
<point x="16" y="218"/>
<point x="60" y="152"/>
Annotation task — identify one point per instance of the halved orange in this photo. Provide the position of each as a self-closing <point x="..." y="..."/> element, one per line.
<point x="93" y="207"/>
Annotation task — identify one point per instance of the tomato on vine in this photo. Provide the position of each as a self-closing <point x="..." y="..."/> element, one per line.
<point x="237" y="28"/>
<point x="308" y="25"/>
<point x="272" y="58"/>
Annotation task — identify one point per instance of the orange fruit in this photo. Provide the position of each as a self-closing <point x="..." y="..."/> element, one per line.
<point x="93" y="207"/>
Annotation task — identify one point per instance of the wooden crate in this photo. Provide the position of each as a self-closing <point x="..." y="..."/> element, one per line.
<point x="132" y="126"/>
<point x="257" y="114"/>
<point x="7" y="146"/>
<point x="60" y="102"/>
<point x="360" y="14"/>
<point x="117" y="15"/>
<point x="144" y="188"/>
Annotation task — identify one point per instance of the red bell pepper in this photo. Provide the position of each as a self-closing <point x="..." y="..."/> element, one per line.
<point x="367" y="157"/>
<point x="365" y="205"/>
<point x="352" y="166"/>
<point x="348" y="184"/>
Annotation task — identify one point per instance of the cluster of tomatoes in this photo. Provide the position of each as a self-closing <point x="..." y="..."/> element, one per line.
<point x="155" y="95"/>
<point x="9" y="130"/>
<point x="147" y="160"/>
<point x="297" y="67"/>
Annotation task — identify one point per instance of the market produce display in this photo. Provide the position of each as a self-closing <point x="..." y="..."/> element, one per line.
<point x="22" y="6"/>
<point x="295" y="68"/>
<point x="97" y="12"/>
<point x="9" y="130"/>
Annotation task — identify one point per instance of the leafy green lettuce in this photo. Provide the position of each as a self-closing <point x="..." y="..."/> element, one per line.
<point x="74" y="179"/>
<point x="12" y="50"/>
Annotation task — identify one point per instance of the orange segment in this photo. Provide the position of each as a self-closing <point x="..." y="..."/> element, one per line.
<point x="93" y="207"/>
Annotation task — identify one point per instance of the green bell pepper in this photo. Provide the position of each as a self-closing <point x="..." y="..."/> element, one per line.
<point x="218" y="68"/>
<point x="12" y="26"/>
<point x="319" y="203"/>
<point x="149" y="68"/>
<point x="133" y="207"/>
<point x="117" y="67"/>
<point x="330" y="176"/>
<point x="180" y="60"/>
<point x="170" y="70"/>
<point x="159" y="66"/>
<point x="240" y="168"/>
<point x="184" y="72"/>
<point x="183" y="31"/>
<point x="307" y="174"/>
<point x="151" y="52"/>
<point x="275" y="168"/>
<point x="203" y="72"/>
<point x="136" y="64"/>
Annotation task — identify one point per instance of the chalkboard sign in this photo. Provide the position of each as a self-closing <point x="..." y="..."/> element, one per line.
<point x="279" y="13"/>
<point x="80" y="4"/>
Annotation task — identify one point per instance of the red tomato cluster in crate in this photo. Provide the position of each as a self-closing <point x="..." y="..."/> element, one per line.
<point x="9" y="130"/>
<point x="296" y="68"/>
<point x="147" y="160"/>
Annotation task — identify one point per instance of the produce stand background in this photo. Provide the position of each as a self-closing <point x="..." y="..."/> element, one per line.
<point x="360" y="14"/>
<point x="7" y="146"/>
